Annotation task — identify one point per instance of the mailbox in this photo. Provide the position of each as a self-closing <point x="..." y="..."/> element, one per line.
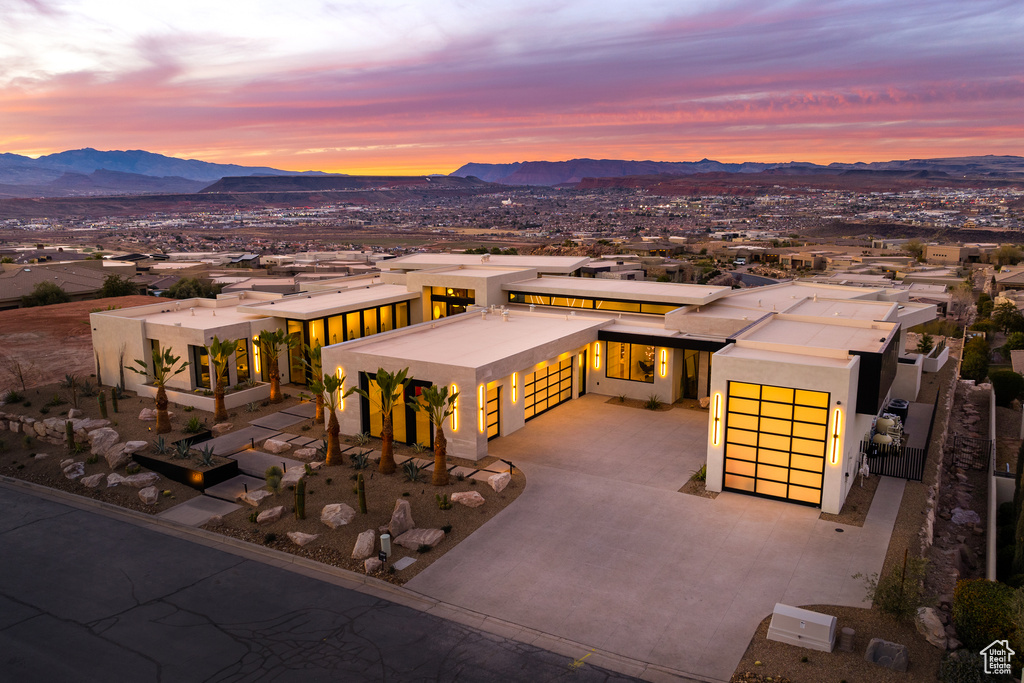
<point x="802" y="627"/>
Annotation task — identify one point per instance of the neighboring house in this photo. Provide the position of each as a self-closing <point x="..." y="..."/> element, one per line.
<point x="81" y="280"/>
<point x="793" y="374"/>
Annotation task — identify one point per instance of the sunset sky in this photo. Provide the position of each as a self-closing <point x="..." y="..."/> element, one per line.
<point x="424" y="86"/>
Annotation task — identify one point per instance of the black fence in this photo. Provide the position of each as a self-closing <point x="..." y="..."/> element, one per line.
<point x="895" y="461"/>
<point x="972" y="453"/>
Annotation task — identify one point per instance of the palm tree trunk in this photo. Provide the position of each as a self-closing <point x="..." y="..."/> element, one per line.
<point x="275" y="384"/>
<point x="163" y="420"/>
<point x="220" y="413"/>
<point x="319" y="408"/>
<point x="387" y="436"/>
<point x="333" y="441"/>
<point x="440" y="477"/>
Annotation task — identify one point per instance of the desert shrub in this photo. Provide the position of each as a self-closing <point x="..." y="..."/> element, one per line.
<point x="984" y="325"/>
<point x="700" y="474"/>
<point x="193" y="425"/>
<point x="13" y="396"/>
<point x="1014" y="341"/>
<point x="653" y="402"/>
<point x="1007" y="386"/>
<point x="898" y="593"/>
<point x="975" y="361"/>
<point x="962" y="666"/>
<point x="981" y="612"/>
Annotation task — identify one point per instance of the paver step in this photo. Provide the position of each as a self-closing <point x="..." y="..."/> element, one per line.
<point x="232" y="488"/>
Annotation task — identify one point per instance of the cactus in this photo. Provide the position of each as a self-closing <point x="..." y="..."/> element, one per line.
<point x="69" y="430"/>
<point x="300" y="499"/>
<point x="273" y="476"/>
<point x="102" y="398"/>
<point x="113" y="399"/>
<point x="361" y="490"/>
<point x="444" y="501"/>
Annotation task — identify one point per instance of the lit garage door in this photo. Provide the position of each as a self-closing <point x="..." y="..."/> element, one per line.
<point x="546" y="388"/>
<point x="775" y="441"/>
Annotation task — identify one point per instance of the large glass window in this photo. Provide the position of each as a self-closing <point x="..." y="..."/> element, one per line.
<point x="634" y="362"/>
<point x="242" y="360"/>
<point x="445" y="301"/>
<point x="200" y="366"/>
<point x="336" y="328"/>
<point x="297" y="371"/>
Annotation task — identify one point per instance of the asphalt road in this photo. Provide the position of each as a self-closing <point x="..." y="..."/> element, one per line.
<point x="86" y="597"/>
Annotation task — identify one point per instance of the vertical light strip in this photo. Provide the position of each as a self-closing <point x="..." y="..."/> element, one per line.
<point x="455" y="409"/>
<point x="256" y="352"/>
<point x="481" y="399"/>
<point x="663" y="364"/>
<point x="837" y="418"/>
<point x="515" y="385"/>
<point x="341" y="390"/>
<point x="716" y="425"/>
<point x="597" y="355"/>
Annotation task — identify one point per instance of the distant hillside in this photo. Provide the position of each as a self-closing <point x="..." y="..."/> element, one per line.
<point x="576" y="170"/>
<point x="45" y="176"/>
<point x="338" y="183"/>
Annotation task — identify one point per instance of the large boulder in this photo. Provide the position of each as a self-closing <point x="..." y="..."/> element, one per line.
<point x="147" y="415"/>
<point x="116" y="456"/>
<point x="276" y="446"/>
<point x="93" y="480"/>
<point x="271" y="515"/>
<point x="38" y="427"/>
<point x="365" y="544"/>
<point x="142" y="479"/>
<point x="133" y="447"/>
<point x="305" y="453"/>
<point x="299" y="538"/>
<point x="371" y="565"/>
<point x="113" y="479"/>
<point x="499" y="481"/>
<point x="401" y="518"/>
<point x="74" y="413"/>
<point x="149" y="495"/>
<point x="74" y="470"/>
<point x="221" y="429"/>
<point x="470" y="499"/>
<point x="89" y="424"/>
<point x="337" y="514"/>
<point x="103" y="439"/>
<point x="930" y="626"/>
<point x="254" y="498"/>
<point x="884" y="653"/>
<point x="414" y="538"/>
<point x="292" y="476"/>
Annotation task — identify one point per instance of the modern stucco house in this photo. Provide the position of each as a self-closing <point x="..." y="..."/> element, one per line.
<point x="792" y="375"/>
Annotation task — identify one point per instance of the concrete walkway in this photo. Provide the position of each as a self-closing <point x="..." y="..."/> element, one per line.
<point x="601" y="548"/>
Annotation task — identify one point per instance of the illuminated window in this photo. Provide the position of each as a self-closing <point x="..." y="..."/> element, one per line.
<point x="634" y="362"/>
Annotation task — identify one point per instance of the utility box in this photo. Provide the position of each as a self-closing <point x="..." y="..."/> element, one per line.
<point x="802" y="627"/>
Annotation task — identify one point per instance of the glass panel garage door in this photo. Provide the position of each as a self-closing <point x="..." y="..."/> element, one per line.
<point x="546" y="388"/>
<point x="493" y="412"/>
<point x="775" y="441"/>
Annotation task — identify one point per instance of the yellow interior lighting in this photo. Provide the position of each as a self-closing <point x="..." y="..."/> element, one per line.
<point x="481" y="402"/>
<point x="716" y="424"/>
<point x="455" y="409"/>
<point x="663" y="363"/>
<point x="837" y="421"/>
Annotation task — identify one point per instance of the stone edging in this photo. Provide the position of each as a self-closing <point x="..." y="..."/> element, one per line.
<point x="367" y="585"/>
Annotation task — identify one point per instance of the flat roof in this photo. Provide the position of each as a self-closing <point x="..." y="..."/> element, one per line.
<point x="856" y="309"/>
<point x="310" y="305"/>
<point x="190" y="315"/>
<point x="765" y="355"/>
<point x="546" y="264"/>
<point x="473" y="341"/>
<point x="629" y="290"/>
<point x="842" y="335"/>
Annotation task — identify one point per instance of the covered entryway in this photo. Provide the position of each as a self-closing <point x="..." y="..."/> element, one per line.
<point x="775" y="441"/>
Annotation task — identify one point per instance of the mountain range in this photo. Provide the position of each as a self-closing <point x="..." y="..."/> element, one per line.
<point x="575" y="170"/>
<point x="89" y="172"/>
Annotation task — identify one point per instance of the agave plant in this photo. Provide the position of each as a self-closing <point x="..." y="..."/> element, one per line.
<point x="206" y="455"/>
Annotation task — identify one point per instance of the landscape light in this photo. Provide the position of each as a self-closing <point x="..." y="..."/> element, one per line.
<point x="836" y="426"/>
<point x="455" y="408"/>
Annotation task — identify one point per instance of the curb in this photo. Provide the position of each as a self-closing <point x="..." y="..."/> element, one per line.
<point x="368" y="586"/>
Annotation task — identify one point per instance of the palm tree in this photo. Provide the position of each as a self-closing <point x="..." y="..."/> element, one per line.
<point x="439" y="406"/>
<point x="165" y="366"/>
<point x="270" y="350"/>
<point x="220" y="355"/>
<point x="332" y="389"/>
<point x="314" y="362"/>
<point x="392" y="387"/>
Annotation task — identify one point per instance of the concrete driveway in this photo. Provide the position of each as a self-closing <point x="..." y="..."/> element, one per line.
<point x="602" y="549"/>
